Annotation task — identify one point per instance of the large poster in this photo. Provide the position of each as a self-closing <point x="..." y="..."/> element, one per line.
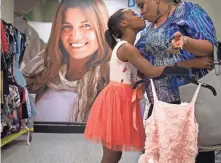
<point x="71" y="65"/>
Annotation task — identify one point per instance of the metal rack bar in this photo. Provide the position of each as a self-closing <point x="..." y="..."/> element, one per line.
<point x="12" y="137"/>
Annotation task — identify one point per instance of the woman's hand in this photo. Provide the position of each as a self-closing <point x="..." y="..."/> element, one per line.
<point x="178" y="41"/>
<point x="199" y="48"/>
<point x="202" y="63"/>
<point x="199" y="63"/>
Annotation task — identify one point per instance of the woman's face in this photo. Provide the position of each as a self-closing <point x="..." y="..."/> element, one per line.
<point x="148" y="9"/>
<point x="77" y="35"/>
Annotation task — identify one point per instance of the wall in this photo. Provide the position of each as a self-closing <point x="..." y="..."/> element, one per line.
<point x="7" y="11"/>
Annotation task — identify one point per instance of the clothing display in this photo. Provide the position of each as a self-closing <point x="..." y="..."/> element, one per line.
<point x="207" y="111"/>
<point x="115" y="118"/>
<point x="154" y="44"/>
<point x="15" y="99"/>
<point x="171" y="132"/>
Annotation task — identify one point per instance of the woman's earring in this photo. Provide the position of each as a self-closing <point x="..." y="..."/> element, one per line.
<point x="158" y="12"/>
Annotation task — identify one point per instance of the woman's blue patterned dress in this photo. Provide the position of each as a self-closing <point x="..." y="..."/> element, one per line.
<point x="191" y="20"/>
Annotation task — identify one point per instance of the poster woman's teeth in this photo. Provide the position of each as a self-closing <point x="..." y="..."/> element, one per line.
<point x="78" y="45"/>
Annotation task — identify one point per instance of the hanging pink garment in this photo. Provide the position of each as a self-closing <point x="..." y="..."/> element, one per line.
<point x="171" y="132"/>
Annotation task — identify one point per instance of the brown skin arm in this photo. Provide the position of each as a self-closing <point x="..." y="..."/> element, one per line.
<point x="197" y="47"/>
<point x="128" y="52"/>
<point x="199" y="63"/>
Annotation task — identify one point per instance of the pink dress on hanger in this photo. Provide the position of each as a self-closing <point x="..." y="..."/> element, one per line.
<point x="171" y="132"/>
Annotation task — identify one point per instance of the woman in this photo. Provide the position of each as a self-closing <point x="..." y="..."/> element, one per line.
<point x="72" y="70"/>
<point x="179" y="33"/>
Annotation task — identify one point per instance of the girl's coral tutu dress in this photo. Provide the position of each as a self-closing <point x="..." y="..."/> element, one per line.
<point x="115" y="119"/>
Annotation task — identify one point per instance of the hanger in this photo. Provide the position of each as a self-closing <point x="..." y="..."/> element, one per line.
<point x="217" y="58"/>
<point x="202" y="84"/>
<point x="179" y="71"/>
<point x="168" y="71"/>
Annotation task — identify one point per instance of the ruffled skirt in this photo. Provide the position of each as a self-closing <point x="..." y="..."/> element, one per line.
<point x="116" y="120"/>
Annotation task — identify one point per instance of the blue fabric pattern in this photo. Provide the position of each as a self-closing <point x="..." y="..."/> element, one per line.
<point x="19" y="46"/>
<point x="191" y="20"/>
<point x="30" y="107"/>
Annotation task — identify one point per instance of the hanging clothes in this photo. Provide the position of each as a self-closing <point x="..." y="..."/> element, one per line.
<point x="19" y="48"/>
<point x="15" y="99"/>
<point x="3" y="38"/>
<point x="171" y="132"/>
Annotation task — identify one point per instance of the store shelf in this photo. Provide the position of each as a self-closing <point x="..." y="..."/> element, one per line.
<point x="10" y="138"/>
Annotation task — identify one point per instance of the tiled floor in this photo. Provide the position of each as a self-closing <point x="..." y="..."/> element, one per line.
<point x="58" y="148"/>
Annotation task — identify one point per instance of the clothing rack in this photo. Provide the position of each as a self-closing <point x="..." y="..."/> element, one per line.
<point x="17" y="109"/>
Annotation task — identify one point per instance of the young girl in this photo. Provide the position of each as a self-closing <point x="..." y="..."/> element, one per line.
<point x="115" y="118"/>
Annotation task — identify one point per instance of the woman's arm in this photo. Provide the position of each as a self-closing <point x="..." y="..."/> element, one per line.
<point x="198" y="47"/>
<point x="128" y="52"/>
<point x="199" y="63"/>
<point x="194" y="46"/>
<point x="199" y="30"/>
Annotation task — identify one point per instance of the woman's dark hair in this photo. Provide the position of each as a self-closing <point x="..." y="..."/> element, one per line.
<point x="114" y="30"/>
<point x="176" y="1"/>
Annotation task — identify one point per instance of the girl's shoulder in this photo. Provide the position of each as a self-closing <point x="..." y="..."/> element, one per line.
<point x="119" y="44"/>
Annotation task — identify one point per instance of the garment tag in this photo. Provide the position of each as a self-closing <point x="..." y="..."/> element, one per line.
<point x="184" y="103"/>
<point x="150" y="161"/>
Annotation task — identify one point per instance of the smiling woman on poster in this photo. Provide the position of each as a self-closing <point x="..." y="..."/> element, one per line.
<point x="74" y="68"/>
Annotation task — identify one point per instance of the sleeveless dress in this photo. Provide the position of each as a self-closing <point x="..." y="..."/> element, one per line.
<point x="115" y="119"/>
<point x="171" y="132"/>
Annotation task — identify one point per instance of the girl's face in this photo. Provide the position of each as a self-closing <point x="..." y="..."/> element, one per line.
<point x="134" y="20"/>
<point x="77" y="35"/>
